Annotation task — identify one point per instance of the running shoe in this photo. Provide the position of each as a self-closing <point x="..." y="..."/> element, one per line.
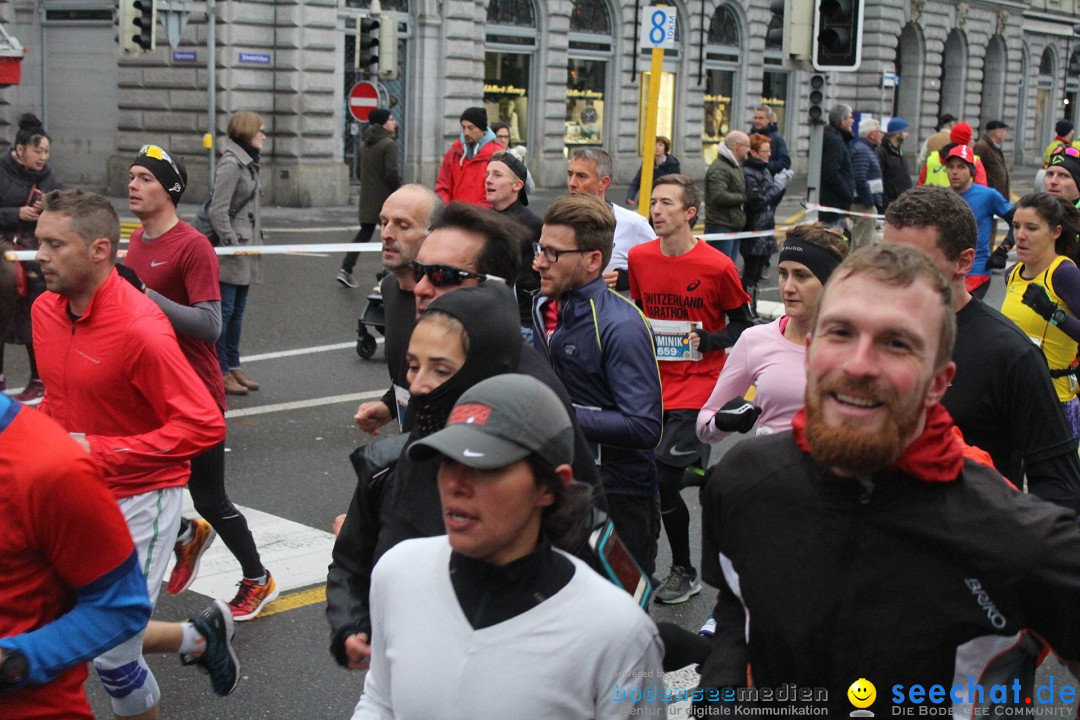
<point x="218" y="659"/>
<point x="252" y="597"/>
<point x="709" y="628"/>
<point x="32" y="393"/>
<point x="188" y="555"/>
<point x="679" y="586"/>
<point x="346" y="279"/>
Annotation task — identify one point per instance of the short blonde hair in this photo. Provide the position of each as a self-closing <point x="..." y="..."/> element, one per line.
<point x="243" y="125"/>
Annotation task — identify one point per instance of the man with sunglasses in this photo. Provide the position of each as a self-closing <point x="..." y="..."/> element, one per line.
<point x="466" y="246"/>
<point x="601" y="347"/>
<point x="178" y="270"/>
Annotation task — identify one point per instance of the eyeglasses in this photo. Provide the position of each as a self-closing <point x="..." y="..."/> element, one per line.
<point x="552" y="255"/>
<point x="158" y="153"/>
<point x="444" y="275"/>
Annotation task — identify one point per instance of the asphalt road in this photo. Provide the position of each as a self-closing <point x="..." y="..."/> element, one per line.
<point x="288" y="458"/>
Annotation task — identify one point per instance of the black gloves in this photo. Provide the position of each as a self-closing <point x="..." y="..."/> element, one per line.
<point x="1035" y="297"/>
<point x="998" y="258"/>
<point x="737" y="415"/>
<point x="132" y="277"/>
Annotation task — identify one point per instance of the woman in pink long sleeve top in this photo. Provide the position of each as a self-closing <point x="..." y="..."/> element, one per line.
<point x="770" y="357"/>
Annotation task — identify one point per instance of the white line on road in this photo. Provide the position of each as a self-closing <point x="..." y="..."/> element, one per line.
<point x="302" y="404"/>
<point x="300" y="351"/>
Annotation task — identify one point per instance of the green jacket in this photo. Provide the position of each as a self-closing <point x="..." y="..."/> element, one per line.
<point x="725" y="194"/>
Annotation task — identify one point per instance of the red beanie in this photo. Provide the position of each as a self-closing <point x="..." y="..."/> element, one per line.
<point x="961" y="133"/>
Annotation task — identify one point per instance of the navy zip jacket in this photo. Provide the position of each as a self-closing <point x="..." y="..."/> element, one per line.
<point x="603" y="351"/>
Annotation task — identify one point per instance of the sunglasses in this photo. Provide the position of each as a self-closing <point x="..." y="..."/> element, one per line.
<point x="444" y="275"/>
<point x="552" y="255"/>
<point x="158" y="153"/>
<point x="1066" y="150"/>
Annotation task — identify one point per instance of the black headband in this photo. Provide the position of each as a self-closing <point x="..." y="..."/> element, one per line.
<point x="817" y="259"/>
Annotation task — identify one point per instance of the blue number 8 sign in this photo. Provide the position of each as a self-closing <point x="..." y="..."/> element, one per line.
<point x="658" y="31"/>
<point x="657" y="27"/>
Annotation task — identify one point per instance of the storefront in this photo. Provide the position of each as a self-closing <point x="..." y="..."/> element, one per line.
<point x="510" y="50"/>
<point x="591" y="47"/>
<point x="722" y="66"/>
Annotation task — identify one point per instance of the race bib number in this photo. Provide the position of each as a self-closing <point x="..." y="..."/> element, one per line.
<point x="672" y="339"/>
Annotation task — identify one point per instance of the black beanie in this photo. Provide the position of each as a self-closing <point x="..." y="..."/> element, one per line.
<point x="477" y="116"/>
<point x="168" y="171"/>
<point x="378" y="116"/>
<point x="1063" y="128"/>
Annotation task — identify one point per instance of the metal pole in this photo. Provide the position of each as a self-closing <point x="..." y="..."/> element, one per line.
<point x="1065" y="81"/>
<point x="211" y="81"/>
<point x="649" y="150"/>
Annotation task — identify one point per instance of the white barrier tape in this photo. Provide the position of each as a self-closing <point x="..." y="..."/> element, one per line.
<point x="737" y="235"/>
<point x="250" y="250"/>
<point x="838" y="211"/>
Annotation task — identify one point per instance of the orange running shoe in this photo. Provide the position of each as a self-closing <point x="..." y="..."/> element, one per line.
<point x="188" y="555"/>
<point x="252" y="597"/>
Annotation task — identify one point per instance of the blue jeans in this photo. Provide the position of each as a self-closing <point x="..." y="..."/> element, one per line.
<point x="728" y="247"/>
<point x="233" y="301"/>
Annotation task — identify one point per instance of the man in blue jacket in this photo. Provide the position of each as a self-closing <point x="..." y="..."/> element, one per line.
<point x="869" y="188"/>
<point x="601" y="347"/>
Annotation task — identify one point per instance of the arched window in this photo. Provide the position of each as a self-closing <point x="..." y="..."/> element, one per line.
<point x="510" y="44"/>
<point x="953" y="74"/>
<point x="591" y="46"/>
<point x="1046" y="64"/>
<point x="721" y="74"/>
<point x="512" y="12"/>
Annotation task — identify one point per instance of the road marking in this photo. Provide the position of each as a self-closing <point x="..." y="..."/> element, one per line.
<point x="302" y="404"/>
<point x="296" y="554"/>
<point x="794" y="218"/>
<point x="298" y="599"/>
<point x="301" y="351"/>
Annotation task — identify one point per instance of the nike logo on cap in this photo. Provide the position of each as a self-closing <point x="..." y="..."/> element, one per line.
<point x="470" y="453"/>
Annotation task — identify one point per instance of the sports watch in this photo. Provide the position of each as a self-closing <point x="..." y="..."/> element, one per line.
<point x="1057" y="317"/>
<point x="13" y="668"/>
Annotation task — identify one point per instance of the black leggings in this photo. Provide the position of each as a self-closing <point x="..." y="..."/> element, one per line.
<point x="675" y="514"/>
<point x="30" y="356"/>
<point x="753" y="270"/>
<point x="207" y="487"/>
<point x="363" y="235"/>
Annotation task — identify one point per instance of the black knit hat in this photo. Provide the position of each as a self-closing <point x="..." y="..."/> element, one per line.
<point x="1063" y="128"/>
<point x="477" y="116"/>
<point x="168" y="171"/>
<point x="378" y="116"/>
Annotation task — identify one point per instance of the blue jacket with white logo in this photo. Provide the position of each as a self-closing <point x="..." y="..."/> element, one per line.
<point x="603" y="351"/>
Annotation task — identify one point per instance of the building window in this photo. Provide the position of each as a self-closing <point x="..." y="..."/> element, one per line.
<point x="774" y="93"/>
<point x="510" y="42"/>
<point x="591" y="45"/>
<point x="722" y="64"/>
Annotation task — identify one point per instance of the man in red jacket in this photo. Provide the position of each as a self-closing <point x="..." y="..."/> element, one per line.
<point x="124" y="390"/>
<point x="461" y="176"/>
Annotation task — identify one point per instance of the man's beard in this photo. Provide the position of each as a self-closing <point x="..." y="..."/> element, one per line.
<point x="850" y="446"/>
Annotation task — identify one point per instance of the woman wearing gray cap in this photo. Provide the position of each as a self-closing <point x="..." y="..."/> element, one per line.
<point x="488" y="619"/>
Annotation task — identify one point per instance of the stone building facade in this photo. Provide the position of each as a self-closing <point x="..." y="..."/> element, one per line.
<point x="561" y="73"/>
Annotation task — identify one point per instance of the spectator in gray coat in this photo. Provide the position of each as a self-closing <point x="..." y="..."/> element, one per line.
<point x="837" y="174"/>
<point x="869" y="189"/>
<point x="379" y="176"/>
<point x="235" y="215"/>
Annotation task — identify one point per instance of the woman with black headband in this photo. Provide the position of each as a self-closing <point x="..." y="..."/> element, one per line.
<point x="770" y="357"/>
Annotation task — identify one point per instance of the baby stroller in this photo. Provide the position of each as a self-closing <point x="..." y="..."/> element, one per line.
<point x="373" y="316"/>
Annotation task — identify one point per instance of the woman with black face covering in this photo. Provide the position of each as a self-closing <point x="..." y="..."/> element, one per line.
<point x="464" y="337"/>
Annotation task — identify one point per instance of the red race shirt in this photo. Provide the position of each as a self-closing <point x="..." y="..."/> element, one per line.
<point x="61" y="530"/>
<point x="182" y="266"/>
<point x="700" y="286"/>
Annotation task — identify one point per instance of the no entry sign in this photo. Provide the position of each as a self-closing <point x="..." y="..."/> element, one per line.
<point x="363" y="98"/>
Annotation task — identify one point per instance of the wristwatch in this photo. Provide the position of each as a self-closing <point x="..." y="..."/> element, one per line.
<point x="13" y="668"/>
<point x="1057" y="317"/>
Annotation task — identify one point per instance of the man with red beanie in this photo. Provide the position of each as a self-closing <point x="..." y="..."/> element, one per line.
<point x="985" y="203"/>
<point x="934" y="172"/>
<point x="461" y="176"/>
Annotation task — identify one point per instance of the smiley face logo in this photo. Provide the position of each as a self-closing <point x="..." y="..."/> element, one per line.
<point x="862" y="693"/>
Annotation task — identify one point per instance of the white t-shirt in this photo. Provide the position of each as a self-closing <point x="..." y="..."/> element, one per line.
<point x="631" y="229"/>
<point x="571" y="656"/>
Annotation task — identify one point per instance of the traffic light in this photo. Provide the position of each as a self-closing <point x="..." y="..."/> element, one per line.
<point x="774" y="33"/>
<point x="838" y="35"/>
<point x="367" y="44"/>
<point x="145" y="22"/>
<point x="388" y="30"/>
<point x="817" y="99"/>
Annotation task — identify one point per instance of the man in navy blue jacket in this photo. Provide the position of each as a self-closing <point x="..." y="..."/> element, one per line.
<point x="601" y="347"/>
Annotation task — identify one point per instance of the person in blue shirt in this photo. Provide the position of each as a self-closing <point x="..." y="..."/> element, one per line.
<point x="985" y="203"/>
